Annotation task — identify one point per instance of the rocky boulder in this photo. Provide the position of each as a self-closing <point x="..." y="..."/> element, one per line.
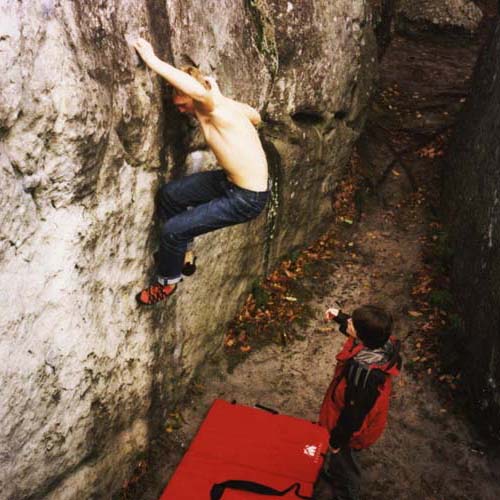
<point x="87" y="134"/>
<point x="472" y="196"/>
<point x="384" y="12"/>
<point x="456" y="16"/>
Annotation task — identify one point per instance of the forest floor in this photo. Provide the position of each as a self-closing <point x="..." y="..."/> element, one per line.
<point x="386" y="245"/>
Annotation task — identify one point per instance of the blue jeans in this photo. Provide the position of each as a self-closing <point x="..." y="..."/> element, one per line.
<point x="198" y="204"/>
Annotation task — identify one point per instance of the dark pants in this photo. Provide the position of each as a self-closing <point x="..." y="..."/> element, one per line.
<point x="344" y="473"/>
<point x="198" y="204"/>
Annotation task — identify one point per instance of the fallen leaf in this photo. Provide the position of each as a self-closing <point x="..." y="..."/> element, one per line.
<point x="415" y="314"/>
<point x="326" y="329"/>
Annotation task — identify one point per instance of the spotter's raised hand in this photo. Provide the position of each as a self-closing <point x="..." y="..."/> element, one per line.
<point x="331" y="313"/>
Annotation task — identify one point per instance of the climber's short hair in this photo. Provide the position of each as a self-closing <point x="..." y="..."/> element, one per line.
<point x="196" y="74"/>
<point x="373" y="325"/>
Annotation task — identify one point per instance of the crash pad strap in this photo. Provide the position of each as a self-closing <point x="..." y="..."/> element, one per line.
<point x="260" y="489"/>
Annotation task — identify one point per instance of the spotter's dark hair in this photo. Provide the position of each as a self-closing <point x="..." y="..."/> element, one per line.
<point x="373" y="325"/>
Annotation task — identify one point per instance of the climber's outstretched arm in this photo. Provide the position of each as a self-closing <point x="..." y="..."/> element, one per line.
<point x="183" y="82"/>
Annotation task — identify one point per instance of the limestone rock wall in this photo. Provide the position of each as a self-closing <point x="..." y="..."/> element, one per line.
<point x="472" y="196"/>
<point x="457" y="16"/>
<point x="384" y="12"/>
<point x="86" y="136"/>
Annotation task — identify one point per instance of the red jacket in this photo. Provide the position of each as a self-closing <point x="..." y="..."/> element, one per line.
<point x="363" y="421"/>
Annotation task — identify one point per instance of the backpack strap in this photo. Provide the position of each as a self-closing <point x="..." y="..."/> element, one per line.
<point x="261" y="489"/>
<point x="396" y="359"/>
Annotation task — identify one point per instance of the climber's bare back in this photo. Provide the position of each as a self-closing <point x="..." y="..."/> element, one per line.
<point x="235" y="142"/>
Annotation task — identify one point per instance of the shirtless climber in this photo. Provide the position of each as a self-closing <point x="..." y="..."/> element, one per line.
<point x="215" y="199"/>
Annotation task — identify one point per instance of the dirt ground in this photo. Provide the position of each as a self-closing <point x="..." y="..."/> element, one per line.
<point x="428" y="451"/>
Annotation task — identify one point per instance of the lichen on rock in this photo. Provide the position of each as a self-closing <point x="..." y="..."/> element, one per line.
<point x="265" y="37"/>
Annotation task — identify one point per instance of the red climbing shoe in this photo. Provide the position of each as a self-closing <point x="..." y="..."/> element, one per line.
<point x="155" y="293"/>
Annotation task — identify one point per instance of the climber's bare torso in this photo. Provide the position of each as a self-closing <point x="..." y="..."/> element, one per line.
<point x="230" y="132"/>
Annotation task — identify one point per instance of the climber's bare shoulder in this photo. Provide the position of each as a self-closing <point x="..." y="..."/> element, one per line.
<point x="229" y="129"/>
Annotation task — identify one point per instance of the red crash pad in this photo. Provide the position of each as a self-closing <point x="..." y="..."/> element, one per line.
<point x="237" y="442"/>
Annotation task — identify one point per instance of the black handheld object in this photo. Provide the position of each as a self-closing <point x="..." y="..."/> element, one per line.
<point x="342" y="320"/>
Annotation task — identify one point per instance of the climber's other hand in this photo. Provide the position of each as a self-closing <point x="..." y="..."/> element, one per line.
<point x="144" y="48"/>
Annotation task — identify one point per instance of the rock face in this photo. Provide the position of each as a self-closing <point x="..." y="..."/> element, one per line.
<point x="383" y="17"/>
<point x="87" y="133"/>
<point x="460" y="16"/>
<point x="472" y="193"/>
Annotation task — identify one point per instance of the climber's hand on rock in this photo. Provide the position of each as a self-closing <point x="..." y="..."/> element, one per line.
<point x="144" y="48"/>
